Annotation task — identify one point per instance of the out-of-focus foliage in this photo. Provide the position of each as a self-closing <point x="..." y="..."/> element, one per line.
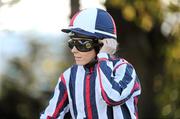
<point x="174" y="7"/>
<point x="168" y="97"/>
<point x="149" y="37"/>
<point x="142" y="12"/>
<point x="27" y="83"/>
<point x="28" y="80"/>
<point x="8" y="2"/>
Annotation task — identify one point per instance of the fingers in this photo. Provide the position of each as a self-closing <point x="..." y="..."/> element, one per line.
<point x="109" y="45"/>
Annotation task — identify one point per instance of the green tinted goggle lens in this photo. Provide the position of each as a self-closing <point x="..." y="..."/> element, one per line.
<point x="84" y="45"/>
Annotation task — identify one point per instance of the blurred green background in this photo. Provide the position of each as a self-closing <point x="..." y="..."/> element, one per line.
<point x="31" y="60"/>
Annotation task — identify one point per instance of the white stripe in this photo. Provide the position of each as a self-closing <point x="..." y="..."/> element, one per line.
<point x="120" y="71"/>
<point x="51" y="107"/>
<point x="113" y="93"/>
<point x="79" y="88"/>
<point x="129" y="87"/>
<point x="136" y="93"/>
<point x="67" y="78"/>
<point x="65" y="110"/>
<point x="130" y="105"/>
<point x="89" y="16"/>
<point x="117" y="112"/>
<point x="106" y="33"/>
<point x="102" y="55"/>
<point x="110" y="64"/>
<point x="100" y="103"/>
<point x="115" y="96"/>
<point x="106" y="84"/>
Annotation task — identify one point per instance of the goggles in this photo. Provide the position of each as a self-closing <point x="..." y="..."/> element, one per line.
<point x="82" y="44"/>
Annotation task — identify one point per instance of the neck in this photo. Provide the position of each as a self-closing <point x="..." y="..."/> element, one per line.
<point x="91" y="63"/>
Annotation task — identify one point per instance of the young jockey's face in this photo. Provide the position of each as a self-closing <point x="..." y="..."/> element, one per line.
<point x="83" y="58"/>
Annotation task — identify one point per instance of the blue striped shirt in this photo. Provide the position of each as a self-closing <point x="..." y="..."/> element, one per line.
<point x="109" y="90"/>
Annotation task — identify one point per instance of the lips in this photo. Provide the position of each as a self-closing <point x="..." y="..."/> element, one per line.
<point x="77" y="58"/>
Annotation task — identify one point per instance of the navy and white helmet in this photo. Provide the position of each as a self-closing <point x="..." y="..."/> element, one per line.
<point x="93" y="22"/>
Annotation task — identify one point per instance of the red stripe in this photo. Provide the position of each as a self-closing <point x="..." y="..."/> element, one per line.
<point x="48" y="117"/>
<point x="61" y="103"/>
<point x="136" y="86"/>
<point x="102" y="59"/>
<point x="103" y="92"/>
<point x="102" y="89"/>
<point x="62" y="79"/>
<point x="73" y="18"/>
<point x="136" y="102"/>
<point x="119" y="66"/>
<point x="88" y="102"/>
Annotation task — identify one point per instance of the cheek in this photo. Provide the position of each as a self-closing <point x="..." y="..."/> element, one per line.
<point x="87" y="59"/>
<point x="89" y="56"/>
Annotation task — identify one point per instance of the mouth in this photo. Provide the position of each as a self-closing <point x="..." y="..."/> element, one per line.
<point x="77" y="58"/>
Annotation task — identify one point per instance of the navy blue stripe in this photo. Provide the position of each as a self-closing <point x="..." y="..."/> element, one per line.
<point x="104" y="25"/>
<point x="125" y="111"/>
<point x="110" y="112"/>
<point x="65" y="104"/>
<point x="135" y="105"/>
<point x="93" y="95"/>
<point x="117" y="86"/>
<point x="127" y="76"/>
<point x="137" y="79"/>
<point x="124" y="100"/>
<point x="121" y="101"/>
<point x="107" y="72"/>
<point x="67" y="115"/>
<point x="114" y="61"/>
<point x="85" y="95"/>
<point x="101" y="36"/>
<point x="72" y="88"/>
<point x="62" y="89"/>
<point x="115" y="103"/>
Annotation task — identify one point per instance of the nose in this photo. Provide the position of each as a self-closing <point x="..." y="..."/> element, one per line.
<point x="74" y="50"/>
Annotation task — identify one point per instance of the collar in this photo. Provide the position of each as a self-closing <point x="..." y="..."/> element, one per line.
<point x="88" y="67"/>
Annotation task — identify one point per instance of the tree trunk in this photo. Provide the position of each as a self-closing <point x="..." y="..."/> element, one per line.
<point x="74" y="7"/>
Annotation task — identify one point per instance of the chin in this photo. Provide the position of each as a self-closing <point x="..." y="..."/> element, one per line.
<point x="79" y="63"/>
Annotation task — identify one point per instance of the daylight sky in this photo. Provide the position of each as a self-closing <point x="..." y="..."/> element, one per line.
<point x="41" y="15"/>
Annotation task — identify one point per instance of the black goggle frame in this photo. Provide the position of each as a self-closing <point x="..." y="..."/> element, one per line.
<point x="82" y="44"/>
